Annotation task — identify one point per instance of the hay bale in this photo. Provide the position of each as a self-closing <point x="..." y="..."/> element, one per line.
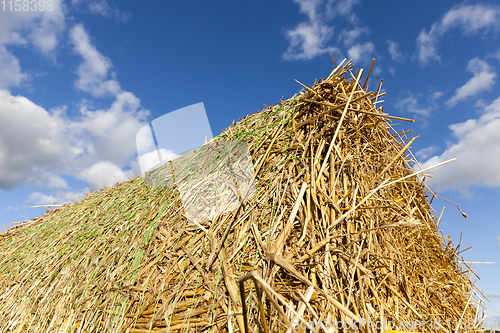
<point x="339" y="229"/>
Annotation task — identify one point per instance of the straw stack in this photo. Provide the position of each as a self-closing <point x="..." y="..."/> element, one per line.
<point x="339" y="230"/>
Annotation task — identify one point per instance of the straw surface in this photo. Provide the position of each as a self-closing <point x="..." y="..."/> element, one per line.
<point x="339" y="228"/>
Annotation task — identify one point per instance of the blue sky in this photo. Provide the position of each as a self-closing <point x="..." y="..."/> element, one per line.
<point x="78" y="82"/>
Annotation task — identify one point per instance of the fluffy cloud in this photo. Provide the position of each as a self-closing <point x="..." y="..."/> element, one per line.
<point x="477" y="151"/>
<point x="470" y="19"/>
<point x="393" y="48"/>
<point x="104" y="174"/>
<point x="149" y="160"/>
<point x="49" y="179"/>
<point x="113" y="130"/>
<point x="484" y="77"/>
<point x="93" y="71"/>
<point x="311" y="38"/>
<point x="361" y="52"/>
<point x="37" y="146"/>
<point x="34" y="140"/>
<point x="41" y="28"/>
<point x="308" y="40"/>
<point x="30" y="137"/>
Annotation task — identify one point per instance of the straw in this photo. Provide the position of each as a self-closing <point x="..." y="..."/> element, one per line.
<point x="339" y="228"/>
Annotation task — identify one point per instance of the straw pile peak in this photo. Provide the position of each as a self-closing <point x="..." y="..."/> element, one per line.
<point x="339" y="229"/>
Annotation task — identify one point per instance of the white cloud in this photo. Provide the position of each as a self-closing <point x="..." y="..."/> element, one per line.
<point x="41" y="199"/>
<point x="93" y="71"/>
<point x="350" y="36"/>
<point x="361" y="52"/>
<point x="437" y="94"/>
<point x="393" y="48"/>
<point x="470" y="19"/>
<point x="101" y="7"/>
<point x="426" y="152"/>
<point x="357" y="50"/>
<point x="10" y="71"/>
<point x="309" y="7"/>
<point x="33" y="140"/>
<point x="50" y="25"/>
<point x="38" y="146"/>
<point x="341" y="7"/>
<point x="477" y="151"/>
<point x="61" y="198"/>
<point x="149" y="160"/>
<point x="307" y="41"/>
<point x="410" y="104"/>
<point x="48" y="179"/>
<point x="498" y="243"/>
<point x="41" y="28"/>
<point x="113" y="130"/>
<point x="104" y="174"/>
<point x="484" y="77"/>
<point x="426" y="48"/>
<point x="311" y="38"/>
<point x="30" y="138"/>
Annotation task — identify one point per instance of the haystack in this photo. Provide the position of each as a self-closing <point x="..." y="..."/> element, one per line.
<point x="338" y="235"/>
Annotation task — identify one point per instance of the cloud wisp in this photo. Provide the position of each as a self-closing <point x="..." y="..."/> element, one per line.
<point x="425" y="153"/>
<point x="94" y="70"/>
<point x="483" y="79"/>
<point x="393" y="48"/>
<point x="101" y="7"/>
<point x="10" y="70"/>
<point x="308" y="40"/>
<point x="411" y="104"/>
<point x="313" y="37"/>
<point x="470" y="19"/>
